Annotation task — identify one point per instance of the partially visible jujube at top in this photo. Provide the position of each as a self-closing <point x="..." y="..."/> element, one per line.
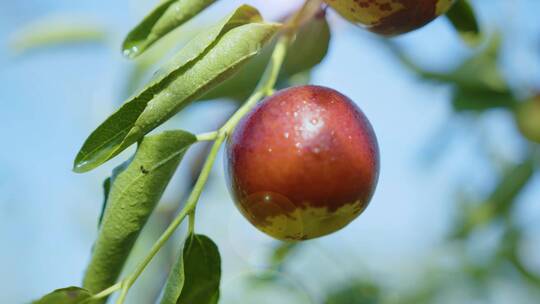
<point x="391" y="17"/>
<point x="303" y="164"/>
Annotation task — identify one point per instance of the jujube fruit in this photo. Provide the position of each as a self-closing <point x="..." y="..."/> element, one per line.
<point x="304" y="163"/>
<point x="391" y="17"/>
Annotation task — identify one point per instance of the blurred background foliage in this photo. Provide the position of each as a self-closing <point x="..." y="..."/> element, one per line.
<point x="455" y="218"/>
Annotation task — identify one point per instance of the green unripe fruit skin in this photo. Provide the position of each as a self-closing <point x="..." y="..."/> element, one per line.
<point x="391" y="17"/>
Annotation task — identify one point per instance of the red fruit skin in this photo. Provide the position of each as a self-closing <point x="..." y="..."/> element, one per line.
<point x="391" y="17"/>
<point x="304" y="163"/>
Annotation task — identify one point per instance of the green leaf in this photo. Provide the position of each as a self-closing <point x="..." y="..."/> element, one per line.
<point x="480" y="70"/>
<point x="511" y="184"/>
<point x="308" y="49"/>
<point x="356" y="292"/>
<point x="69" y="295"/>
<point x="499" y="202"/>
<point x="477" y="83"/>
<point x="476" y="72"/>
<point x="134" y="193"/>
<point x="527" y="118"/>
<point x="310" y="45"/>
<point x="167" y="16"/>
<point x="196" y="274"/>
<point x="56" y="31"/>
<point x="207" y="60"/>
<point x="282" y="252"/>
<point x="107" y="186"/>
<point x="463" y="18"/>
<point x="106" y="190"/>
<point x="464" y="99"/>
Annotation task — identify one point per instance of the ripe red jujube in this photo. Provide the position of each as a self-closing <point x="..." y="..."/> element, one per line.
<point x="391" y="17"/>
<point x="304" y="163"/>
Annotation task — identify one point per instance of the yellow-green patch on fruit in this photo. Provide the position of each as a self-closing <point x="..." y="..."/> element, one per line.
<point x="391" y="17"/>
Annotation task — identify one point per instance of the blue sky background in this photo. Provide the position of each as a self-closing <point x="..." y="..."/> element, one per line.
<point x="51" y="99"/>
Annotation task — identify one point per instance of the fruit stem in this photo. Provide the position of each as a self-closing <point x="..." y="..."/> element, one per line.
<point x="191" y="227"/>
<point x="210" y="136"/>
<point x="264" y="88"/>
<point x="104" y="293"/>
<point x="266" y="85"/>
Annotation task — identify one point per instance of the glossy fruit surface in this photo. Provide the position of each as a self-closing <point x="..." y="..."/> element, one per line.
<point x="302" y="164"/>
<point x="391" y="17"/>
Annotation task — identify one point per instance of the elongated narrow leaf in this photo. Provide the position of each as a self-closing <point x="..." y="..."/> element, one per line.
<point x="308" y="49"/>
<point x="167" y="16"/>
<point x="209" y="59"/>
<point x="196" y="275"/>
<point x="463" y="18"/>
<point x="134" y="193"/>
<point x="55" y="31"/>
<point x="69" y="295"/>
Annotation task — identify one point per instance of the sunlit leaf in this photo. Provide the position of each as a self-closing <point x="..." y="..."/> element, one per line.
<point x="134" y="193"/>
<point x="463" y="18"/>
<point x="167" y="16"/>
<point x="207" y="60"/>
<point x="196" y="275"/>
<point x="308" y="49"/>
<point x="69" y="295"/>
